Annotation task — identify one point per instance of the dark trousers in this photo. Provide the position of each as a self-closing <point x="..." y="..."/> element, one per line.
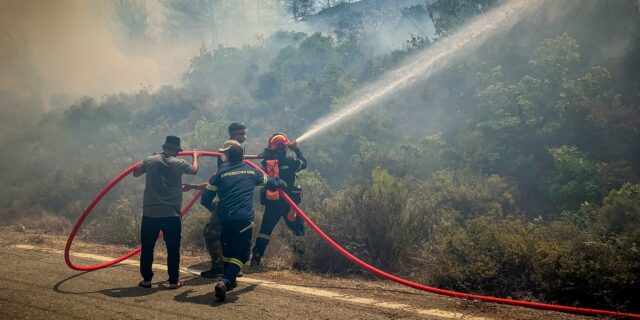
<point x="171" y="228"/>
<point x="236" y="248"/>
<point x="274" y="210"/>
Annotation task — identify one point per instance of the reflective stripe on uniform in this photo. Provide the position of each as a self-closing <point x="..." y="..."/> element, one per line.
<point x="265" y="179"/>
<point x="264" y="236"/>
<point x="247" y="227"/>
<point x="211" y="187"/>
<point x="225" y="259"/>
<point x="236" y="262"/>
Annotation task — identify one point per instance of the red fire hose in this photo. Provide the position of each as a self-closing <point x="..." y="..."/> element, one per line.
<point x="419" y="286"/>
<point x="336" y="246"/>
<point x="94" y="202"/>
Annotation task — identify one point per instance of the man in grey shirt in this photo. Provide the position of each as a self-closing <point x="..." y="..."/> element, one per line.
<point x="161" y="208"/>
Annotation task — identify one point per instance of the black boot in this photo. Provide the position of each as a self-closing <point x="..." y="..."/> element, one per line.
<point x="220" y="291"/>
<point x="258" y="251"/>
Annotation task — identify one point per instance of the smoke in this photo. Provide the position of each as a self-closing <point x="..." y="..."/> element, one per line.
<point x="54" y="52"/>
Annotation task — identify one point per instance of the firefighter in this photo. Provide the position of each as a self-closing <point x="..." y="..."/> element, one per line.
<point x="211" y="232"/>
<point x="277" y="164"/>
<point x="234" y="184"/>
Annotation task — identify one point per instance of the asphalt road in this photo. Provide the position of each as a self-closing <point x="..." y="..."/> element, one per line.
<point x="37" y="284"/>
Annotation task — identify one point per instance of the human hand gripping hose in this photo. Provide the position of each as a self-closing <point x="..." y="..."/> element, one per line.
<point x="101" y="194"/>
<point x="335" y="245"/>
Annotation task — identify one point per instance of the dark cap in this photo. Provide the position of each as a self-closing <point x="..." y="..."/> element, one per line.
<point x="173" y="143"/>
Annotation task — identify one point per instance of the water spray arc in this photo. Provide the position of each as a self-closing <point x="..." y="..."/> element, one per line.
<point x="330" y="241"/>
<point x="430" y="61"/>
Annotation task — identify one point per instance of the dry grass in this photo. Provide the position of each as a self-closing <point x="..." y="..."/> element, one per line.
<point x="46" y="222"/>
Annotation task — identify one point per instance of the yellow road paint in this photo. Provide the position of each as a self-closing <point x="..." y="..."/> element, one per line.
<point x="291" y="288"/>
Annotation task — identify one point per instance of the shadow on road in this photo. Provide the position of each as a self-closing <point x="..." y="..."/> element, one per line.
<point x="131" y="291"/>
<point x="136" y="291"/>
<point x="57" y="286"/>
<point x="209" y="299"/>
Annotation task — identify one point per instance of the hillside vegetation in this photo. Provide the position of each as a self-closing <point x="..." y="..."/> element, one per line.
<point x="515" y="172"/>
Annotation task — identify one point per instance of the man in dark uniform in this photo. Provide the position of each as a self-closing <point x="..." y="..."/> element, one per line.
<point x="161" y="208"/>
<point x="234" y="184"/>
<point x="277" y="164"/>
<point x="211" y="232"/>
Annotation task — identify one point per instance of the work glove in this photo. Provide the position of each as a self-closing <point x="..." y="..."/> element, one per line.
<point x="292" y="214"/>
<point x="275" y="184"/>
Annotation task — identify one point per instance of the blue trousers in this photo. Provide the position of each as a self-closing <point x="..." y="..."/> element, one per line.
<point x="236" y="248"/>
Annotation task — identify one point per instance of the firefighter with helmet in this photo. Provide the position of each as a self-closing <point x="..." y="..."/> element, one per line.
<point x="277" y="164"/>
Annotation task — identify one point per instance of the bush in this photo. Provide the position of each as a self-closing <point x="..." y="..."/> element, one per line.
<point x="593" y="261"/>
<point x="486" y="255"/>
<point x="464" y="232"/>
<point x="388" y="222"/>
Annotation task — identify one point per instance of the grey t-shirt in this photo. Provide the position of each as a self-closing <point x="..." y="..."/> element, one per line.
<point x="163" y="186"/>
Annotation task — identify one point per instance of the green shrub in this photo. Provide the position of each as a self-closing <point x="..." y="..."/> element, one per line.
<point x="486" y="255"/>
<point x="593" y="261"/>
<point x="574" y="178"/>
<point x="388" y="222"/>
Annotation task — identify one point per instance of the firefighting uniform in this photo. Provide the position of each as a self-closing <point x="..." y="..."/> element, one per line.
<point x="277" y="209"/>
<point x="234" y="184"/>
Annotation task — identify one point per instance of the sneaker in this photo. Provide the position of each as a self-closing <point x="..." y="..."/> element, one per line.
<point x="211" y="274"/>
<point x="220" y="291"/>
<point x="144" y="284"/>
<point x="176" y="285"/>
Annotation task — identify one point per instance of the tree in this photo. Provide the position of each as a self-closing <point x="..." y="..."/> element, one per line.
<point x="573" y="180"/>
<point x="301" y="8"/>
<point x="449" y="14"/>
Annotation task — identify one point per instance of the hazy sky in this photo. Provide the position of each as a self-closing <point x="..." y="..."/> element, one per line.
<point x="79" y="47"/>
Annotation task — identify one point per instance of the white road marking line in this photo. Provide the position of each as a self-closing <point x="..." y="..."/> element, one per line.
<point x="291" y="288"/>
